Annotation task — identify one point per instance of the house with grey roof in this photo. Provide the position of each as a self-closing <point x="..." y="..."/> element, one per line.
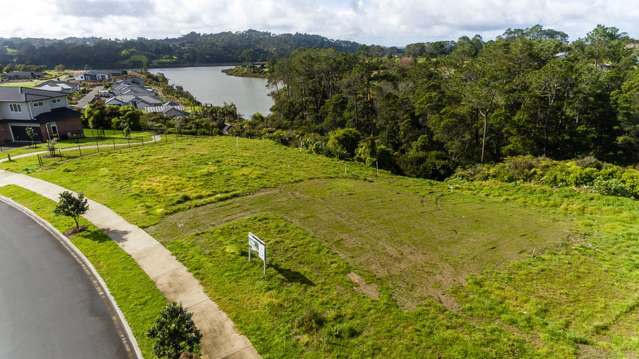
<point x="46" y="112"/>
<point x="168" y="109"/>
<point x="59" y="86"/>
<point x="93" y="75"/>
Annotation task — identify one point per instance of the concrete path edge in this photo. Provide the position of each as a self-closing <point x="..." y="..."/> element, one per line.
<point x="87" y="265"/>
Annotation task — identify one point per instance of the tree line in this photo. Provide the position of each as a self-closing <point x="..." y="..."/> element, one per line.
<point x="442" y="105"/>
<point x="190" y="49"/>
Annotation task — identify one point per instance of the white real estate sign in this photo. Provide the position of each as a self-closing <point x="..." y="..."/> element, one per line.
<point x="257" y="245"/>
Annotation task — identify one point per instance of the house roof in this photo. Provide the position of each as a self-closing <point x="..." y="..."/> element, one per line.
<point x="58" y="115"/>
<point x="58" y="86"/>
<point x="165" y="109"/>
<point x="24" y="94"/>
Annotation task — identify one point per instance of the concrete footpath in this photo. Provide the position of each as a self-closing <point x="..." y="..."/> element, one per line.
<point x="220" y="338"/>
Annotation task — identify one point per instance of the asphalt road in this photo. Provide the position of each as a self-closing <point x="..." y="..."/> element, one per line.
<point x="49" y="306"/>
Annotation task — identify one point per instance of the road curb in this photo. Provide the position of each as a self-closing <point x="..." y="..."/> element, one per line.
<point x="129" y="340"/>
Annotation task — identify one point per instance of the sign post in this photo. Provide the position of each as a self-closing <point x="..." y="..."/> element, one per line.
<point x="257" y="245"/>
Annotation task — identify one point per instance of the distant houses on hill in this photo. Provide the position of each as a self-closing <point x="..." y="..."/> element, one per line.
<point x="20" y="75"/>
<point x="97" y="75"/>
<point x="132" y="92"/>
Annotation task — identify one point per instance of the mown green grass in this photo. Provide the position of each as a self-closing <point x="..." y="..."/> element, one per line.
<point x="145" y="184"/>
<point x="537" y="271"/>
<point x="31" y="83"/>
<point x="91" y="138"/>
<point x="305" y="305"/>
<point x="135" y="293"/>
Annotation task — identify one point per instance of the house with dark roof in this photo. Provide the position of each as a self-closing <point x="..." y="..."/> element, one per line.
<point x="47" y="112"/>
<point x="21" y="75"/>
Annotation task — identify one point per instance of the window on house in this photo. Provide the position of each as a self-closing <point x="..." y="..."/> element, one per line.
<point x="15" y="107"/>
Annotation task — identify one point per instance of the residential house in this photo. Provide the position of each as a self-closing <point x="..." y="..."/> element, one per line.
<point x="93" y="75"/>
<point x="21" y="75"/>
<point x="168" y="109"/>
<point x="47" y="112"/>
<point x="131" y="92"/>
<point x="59" y="86"/>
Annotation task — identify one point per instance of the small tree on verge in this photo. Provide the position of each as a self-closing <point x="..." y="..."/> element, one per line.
<point x="175" y="333"/>
<point x="31" y="134"/>
<point x="72" y="206"/>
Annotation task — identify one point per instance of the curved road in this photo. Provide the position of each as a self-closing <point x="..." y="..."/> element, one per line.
<point x="49" y="306"/>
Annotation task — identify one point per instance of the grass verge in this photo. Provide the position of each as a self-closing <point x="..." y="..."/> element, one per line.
<point x="134" y="292"/>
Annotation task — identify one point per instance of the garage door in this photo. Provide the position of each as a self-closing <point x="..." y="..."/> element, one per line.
<point x="20" y="133"/>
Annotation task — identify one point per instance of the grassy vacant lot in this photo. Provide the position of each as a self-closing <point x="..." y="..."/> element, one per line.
<point x="421" y="243"/>
<point x="365" y="265"/>
<point x="133" y="290"/>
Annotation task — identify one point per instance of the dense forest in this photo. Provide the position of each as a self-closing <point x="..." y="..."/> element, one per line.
<point x="443" y="105"/>
<point x="190" y="49"/>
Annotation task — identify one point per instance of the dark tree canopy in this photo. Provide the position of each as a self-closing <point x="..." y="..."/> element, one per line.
<point x="175" y="333"/>
<point x="190" y="49"/>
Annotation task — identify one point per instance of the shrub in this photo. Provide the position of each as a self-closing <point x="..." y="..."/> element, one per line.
<point x="343" y="142"/>
<point x="589" y="162"/>
<point x="175" y="333"/>
<point x="431" y="164"/>
<point x="612" y="187"/>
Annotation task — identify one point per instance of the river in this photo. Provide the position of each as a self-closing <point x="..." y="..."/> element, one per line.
<point x="212" y="86"/>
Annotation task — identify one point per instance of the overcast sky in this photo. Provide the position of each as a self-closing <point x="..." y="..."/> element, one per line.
<point x="386" y="22"/>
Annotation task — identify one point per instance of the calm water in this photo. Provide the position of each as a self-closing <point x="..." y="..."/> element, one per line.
<point x="210" y="85"/>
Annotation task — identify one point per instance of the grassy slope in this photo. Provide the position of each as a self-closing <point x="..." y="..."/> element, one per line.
<point x="573" y="297"/>
<point x="146" y="184"/>
<point x="133" y="290"/>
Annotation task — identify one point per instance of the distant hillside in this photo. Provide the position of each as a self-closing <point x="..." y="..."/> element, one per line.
<point x="190" y="49"/>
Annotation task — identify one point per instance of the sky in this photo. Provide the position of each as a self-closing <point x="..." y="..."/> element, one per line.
<point x="384" y="22"/>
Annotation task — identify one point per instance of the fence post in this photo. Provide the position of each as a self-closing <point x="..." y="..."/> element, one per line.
<point x="113" y="140"/>
<point x="9" y="157"/>
<point x="79" y="149"/>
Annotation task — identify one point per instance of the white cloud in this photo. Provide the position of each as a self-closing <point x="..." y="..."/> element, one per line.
<point x="389" y="22"/>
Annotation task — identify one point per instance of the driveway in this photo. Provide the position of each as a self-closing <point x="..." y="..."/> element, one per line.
<point x="49" y="306"/>
<point x="84" y="101"/>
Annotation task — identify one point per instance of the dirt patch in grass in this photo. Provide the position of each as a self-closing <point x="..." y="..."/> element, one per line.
<point x="370" y="290"/>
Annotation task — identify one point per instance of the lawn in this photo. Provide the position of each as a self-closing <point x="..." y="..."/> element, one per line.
<point x="146" y="184"/>
<point x="134" y="292"/>
<point x="366" y="264"/>
<point x="92" y="137"/>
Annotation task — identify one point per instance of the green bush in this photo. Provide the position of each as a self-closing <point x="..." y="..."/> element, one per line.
<point x="343" y="142"/>
<point x="585" y="173"/>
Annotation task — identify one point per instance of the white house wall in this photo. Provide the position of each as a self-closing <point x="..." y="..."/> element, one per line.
<point x="5" y="112"/>
<point x="30" y="110"/>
